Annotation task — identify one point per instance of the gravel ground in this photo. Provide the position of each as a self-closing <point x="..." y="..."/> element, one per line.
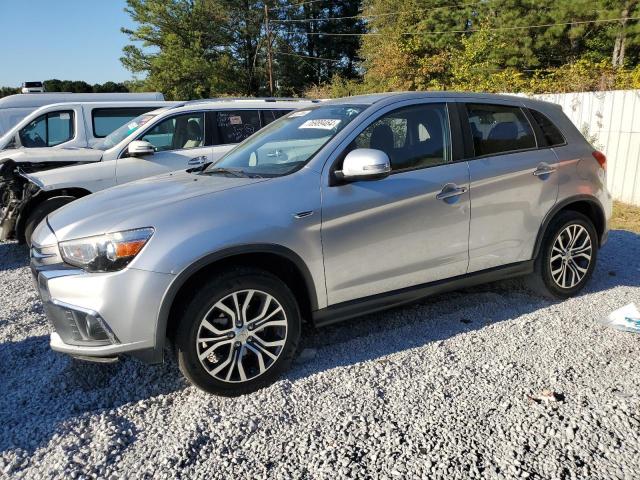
<point x="439" y="390"/>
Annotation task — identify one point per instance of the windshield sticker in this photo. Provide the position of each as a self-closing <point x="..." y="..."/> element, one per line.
<point x="65" y="116"/>
<point x="235" y="120"/>
<point x="321" y="123"/>
<point x="301" y="113"/>
<point x="132" y="126"/>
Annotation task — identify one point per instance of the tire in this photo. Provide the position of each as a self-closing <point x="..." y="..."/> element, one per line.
<point x="40" y="213"/>
<point x="214" y="305"/>
<point x="549" y="279"/>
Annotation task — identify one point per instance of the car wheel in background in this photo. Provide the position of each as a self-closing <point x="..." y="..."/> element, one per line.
<point x="40" y="213"/>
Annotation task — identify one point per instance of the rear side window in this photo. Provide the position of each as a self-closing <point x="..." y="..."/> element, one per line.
<point x="107" y="120"/>
<point x="233" y="126"/>
<point x="551" y="134"/>
<point x="48" y="130"/>
<point x="498" y="129"/>
<point x="269" y="116"/>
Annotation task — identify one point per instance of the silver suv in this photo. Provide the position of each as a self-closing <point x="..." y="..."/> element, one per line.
<point x="334" y="211"/>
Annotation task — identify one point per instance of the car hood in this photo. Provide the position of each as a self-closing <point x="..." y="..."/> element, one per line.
<point x="134" y="204"/>
<point x="50" y="154"/>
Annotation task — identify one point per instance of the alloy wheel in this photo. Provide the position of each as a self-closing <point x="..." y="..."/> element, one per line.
<point x="241" y="336"/>
<point x="570" y="256"/>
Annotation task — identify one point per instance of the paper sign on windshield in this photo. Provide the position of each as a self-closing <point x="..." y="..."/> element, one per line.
<point x="321" y="123"/>
<point x="301" y="113"/>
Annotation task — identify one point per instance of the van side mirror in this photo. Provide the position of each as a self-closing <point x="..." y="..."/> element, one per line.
<point x="364" y="164"/>
<point x="139" y="148"/>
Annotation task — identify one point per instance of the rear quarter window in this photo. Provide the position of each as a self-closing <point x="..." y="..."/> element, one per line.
<point x="552" y="135"/>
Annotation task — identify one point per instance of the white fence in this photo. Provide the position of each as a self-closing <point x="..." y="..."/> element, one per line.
<point x="611" y="121"/>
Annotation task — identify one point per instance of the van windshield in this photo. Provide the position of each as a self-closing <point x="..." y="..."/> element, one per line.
<point x="287" y="144"/>
<point x="123" y="132"/>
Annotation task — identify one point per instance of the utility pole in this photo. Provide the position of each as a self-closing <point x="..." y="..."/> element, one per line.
<point x="269" y="46"/>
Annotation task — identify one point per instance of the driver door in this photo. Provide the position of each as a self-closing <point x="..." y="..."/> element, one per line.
<point x="179" y="143"/>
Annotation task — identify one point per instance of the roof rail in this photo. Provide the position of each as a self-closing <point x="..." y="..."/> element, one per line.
<point x="250" y="99"/>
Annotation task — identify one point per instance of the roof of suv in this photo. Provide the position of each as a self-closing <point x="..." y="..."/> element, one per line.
<point x="244" y="103"/>
<point x="370" y="99"/>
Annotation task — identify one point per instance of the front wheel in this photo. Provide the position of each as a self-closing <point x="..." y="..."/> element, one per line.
<point x="567" y="257"/>
<point x="238" y="333"/>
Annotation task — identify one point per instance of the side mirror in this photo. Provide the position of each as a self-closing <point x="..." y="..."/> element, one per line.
<point x="139" y="148"/>
<point x="364" y="164"/>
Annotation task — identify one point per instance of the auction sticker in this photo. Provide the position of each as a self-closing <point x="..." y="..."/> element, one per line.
<point x="301" y="113"/>
<point x="235" y="120"/>
<point x="321" y="123"/>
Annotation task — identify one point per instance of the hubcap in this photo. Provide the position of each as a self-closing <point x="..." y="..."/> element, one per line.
<point x="570" y="256"/>
<point x="241" y="336"/>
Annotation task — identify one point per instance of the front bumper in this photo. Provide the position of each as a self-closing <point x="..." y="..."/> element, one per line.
<point x="101" y="315"/>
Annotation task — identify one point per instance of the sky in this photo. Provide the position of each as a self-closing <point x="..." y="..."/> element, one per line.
<point x="64" y="39"/>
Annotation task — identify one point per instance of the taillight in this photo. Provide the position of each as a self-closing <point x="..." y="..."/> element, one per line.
<point x="601" y="158"/>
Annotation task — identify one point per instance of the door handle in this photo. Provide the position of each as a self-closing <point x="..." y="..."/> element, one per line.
<point x="544" y="169"/>
<point x="197" y="160"/>
<point x="451" y="190"/>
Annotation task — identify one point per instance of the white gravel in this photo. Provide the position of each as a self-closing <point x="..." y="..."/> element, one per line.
<point x="437" y="390"/>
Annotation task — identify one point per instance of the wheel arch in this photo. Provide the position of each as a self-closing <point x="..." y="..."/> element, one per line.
<point x="276" y="259"/>
<point x="585" y="204"/>
<point x="37" y="199"/>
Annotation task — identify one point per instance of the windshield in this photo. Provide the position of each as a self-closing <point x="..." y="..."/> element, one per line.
<point x="287" y="144"/>
<point x="123" y="132"/>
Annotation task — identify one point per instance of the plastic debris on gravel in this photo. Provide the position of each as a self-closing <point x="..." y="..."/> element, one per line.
<point x="489" y="382"/>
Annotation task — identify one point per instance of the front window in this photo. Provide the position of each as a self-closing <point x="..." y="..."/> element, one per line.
<point x="179" y="132"/>
<point x="412" y="137"/>
<point x="289" y="143"/>
<point x="48" y="130"/>
<point x="124" y="131"/>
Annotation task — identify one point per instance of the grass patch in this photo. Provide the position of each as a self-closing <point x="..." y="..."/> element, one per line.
<point x="625" y="217"/>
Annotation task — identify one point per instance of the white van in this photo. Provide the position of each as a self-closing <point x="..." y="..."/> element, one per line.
<point x="68" y="125"/>
<point x="14" y="108"/>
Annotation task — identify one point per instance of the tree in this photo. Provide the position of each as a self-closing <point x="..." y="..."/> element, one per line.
<point x="193" y="48"/>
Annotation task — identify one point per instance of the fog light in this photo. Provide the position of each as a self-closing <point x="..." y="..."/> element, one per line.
<point x="78" y="326"/>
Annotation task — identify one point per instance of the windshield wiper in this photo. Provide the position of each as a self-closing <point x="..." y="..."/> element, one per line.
<point x="230" y="171"/>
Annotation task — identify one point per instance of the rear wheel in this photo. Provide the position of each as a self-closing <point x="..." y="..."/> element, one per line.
<point x="238" y="333"/>
<point x="40" y="213"/>
<point x="567" y="257"/>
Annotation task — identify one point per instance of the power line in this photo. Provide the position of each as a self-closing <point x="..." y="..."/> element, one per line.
<point x="379" y="15"/>
<point x="471" y="30"/>
<point x="295" y="5"/>
<point x="389" y="14"/>
<point x="277" y="52"/>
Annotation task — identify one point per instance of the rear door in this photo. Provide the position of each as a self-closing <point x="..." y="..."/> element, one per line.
<point x="179" y="143"/>
<point x="231" y="127"/>
<point x="514" y="183"/>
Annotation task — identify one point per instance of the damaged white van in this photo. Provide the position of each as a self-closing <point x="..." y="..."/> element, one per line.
<point x="191" y="135"/>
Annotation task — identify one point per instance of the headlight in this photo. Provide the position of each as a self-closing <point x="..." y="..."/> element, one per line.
<point x="105" y="253"/>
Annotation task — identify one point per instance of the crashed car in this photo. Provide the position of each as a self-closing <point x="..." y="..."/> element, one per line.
<point x="193" y="134"/>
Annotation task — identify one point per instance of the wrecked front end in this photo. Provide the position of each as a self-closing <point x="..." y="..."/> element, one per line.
<point x="16" y="191"/>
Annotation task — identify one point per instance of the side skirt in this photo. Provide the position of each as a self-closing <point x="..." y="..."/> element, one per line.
<point x="355" y="308"/>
